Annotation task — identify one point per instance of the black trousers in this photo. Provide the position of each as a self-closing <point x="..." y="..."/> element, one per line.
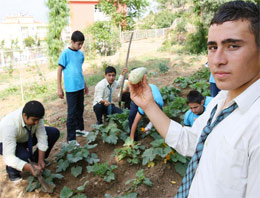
<point x="126" y="99"/>
<point x="23" y="153"/>
<point x="75" y="102"/>
<point x="100" y="109"/>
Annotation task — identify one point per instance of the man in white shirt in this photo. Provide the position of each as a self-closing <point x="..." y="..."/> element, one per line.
<point x="104" y="90"/>
<point x="228" y="166"/>
<point x="19" y="132"/>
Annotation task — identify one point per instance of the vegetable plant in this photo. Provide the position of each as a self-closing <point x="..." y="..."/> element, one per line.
<point x="103" y="170"/>
<point x="78" y="193"/>
<point x="48" y="176"/>
<point x="140" y="179"/>
<point x="71" y="154"/>
<point x="130" y="150"/>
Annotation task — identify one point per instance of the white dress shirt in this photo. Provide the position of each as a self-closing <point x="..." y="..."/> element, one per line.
<point x="230" y="163"/>
<point x="12" y="131"/>
<point x="102" y="91"/>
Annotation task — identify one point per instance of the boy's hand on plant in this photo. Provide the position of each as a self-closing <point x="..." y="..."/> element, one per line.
<point x="106" y="103"/>
<point x="41" y="164"/>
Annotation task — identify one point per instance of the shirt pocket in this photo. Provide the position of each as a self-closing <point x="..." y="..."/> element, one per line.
<point x="230" y="166"/>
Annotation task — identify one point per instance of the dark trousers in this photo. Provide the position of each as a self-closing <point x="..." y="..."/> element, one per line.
<point x="126" y="99"/>
<point x="23" y="153"/>
<point x="213" y="89"/>
<point x="75" y="102"/>
<point x="132" y="114"/>
<point x="100" y="109"/>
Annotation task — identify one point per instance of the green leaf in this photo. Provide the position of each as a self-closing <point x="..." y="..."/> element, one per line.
<point x="148" y="156"/>
<point x="62" y="165"/>
<point x="109" y="177"/>
<point x="66" y="192"/>
<point x="147" y="182"/>
<point x="181" y="168"/>
<point x="76" y="171"/>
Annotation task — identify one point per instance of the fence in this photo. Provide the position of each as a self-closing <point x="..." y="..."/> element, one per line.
<point x="28" y="56"/>
<point x="144" y="34"/>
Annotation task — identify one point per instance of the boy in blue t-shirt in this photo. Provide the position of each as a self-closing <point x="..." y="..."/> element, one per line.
<point x="197" y="104"/>
<point x="159" y="101"/>
<point x="70" y="63"/>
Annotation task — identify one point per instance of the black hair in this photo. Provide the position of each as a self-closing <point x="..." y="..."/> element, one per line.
<point x="110" y="69"/>
<point x="33" y="109"/>
<point x="77" y="36"/>
<point x="195" y="97"/>
<point x="236" y="10"/>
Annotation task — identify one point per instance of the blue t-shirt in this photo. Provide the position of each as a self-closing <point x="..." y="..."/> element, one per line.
<point x="190" y="117"/>
<point x="72" y="61"/>
<point x="156" y="96"/>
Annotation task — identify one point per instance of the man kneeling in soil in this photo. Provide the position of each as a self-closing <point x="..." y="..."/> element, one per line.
<point x="19" y="132"/>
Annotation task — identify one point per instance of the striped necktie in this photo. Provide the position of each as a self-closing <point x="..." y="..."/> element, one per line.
<point x="183" y="191"/>
<point x="109" y="108"/>
<point x="30" y="144"/>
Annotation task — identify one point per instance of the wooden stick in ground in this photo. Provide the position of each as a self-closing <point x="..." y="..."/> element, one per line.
<point x="126" y="66"/>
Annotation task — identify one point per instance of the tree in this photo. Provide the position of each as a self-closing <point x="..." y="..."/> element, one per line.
<point x="58" y="19"/>
<point x="28" y="42"/>
<point x="123" y="12"/>
<point x="103" y="36"/>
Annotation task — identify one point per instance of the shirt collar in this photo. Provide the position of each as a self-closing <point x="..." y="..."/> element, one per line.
<point x="21" y="116"/>
<point x="249" y="96"/>
<point x="245" y="99"/>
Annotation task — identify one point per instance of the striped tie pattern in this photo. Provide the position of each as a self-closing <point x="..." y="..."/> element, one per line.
<point x="109" y="108"/>
<point x="183" y="191"/>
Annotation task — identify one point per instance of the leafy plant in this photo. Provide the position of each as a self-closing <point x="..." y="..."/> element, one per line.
<point x="163" y="68"/>
<point x="158" y="149"/>
<point x="140" y="179"/>
<point x="71" y="154"/>
<point x="103" y="170"/>
<point x="33" y="182"/>
<point x="130" y="150"/>
<point x="121" y="120"/>
<point x="177" y="108"/>
<point x="169" y="93"/>
<point x="78" y="193"/>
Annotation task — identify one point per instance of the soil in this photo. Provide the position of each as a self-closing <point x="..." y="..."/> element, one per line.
<point x="163" y="176"/>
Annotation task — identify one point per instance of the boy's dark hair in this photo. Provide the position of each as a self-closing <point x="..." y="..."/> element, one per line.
<point x="239" y="10"/>
<point x="195" y="97"/>
<point x="34" y="109"/>
<point x="110" y="69"/>
<point x="77" y="36"/>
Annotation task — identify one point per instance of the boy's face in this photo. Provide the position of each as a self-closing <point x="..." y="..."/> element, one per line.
<point x="30" y="121"/>
<point x="110" y="77"/>
<point x="76" y="45"/>
<point x="196" y="108"/>
<point x="233" y="56"/>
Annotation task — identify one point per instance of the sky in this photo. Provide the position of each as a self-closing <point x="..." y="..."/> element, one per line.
<point x="35" y="8"/>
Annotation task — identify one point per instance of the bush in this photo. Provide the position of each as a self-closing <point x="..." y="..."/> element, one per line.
<point x="103" y="38"/>
<point x="197" y="43"/>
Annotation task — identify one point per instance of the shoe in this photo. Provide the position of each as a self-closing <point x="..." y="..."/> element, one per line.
<point x="82" y="133"/>
<point x="15" y="179"/>
<point x="148" y="127"/>
<point x="74" y="142"/>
